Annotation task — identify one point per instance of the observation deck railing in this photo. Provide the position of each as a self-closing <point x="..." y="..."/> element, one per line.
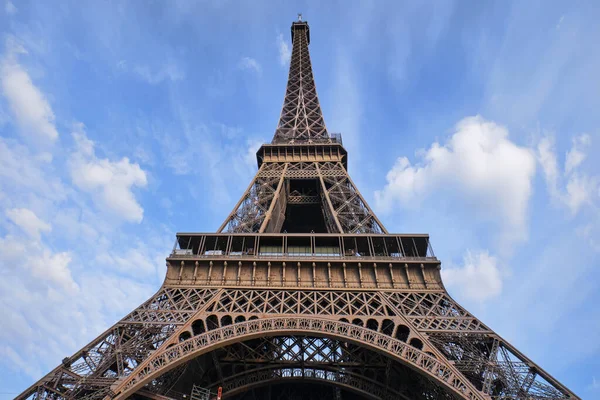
<point x="302" y="246"/>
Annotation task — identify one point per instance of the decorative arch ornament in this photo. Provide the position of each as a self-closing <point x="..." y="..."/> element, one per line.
<point x="166" y="359"/>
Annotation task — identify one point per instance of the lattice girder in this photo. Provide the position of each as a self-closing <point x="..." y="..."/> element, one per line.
<point x="493" y="366"/>
<point x="345" y="209"/>
<point x="434" y="311"/>
<point x="118" y="351"/>
<point x="295" y="354"/>
<point x="250" y="212"/>
<point x="170" y="315"/>
<point x="374" y="322"/>
<point x="349" y="207"/>
<point x="301" y="118"/>
<point x="298" y="302"/>
<point x="177" y="353"/>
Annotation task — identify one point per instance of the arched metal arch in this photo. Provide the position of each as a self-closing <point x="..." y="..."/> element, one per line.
<point x="164" y="360"/>
<point x="280" y="374"/>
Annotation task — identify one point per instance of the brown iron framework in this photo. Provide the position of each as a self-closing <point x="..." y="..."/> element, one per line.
<point x="301" y="293"/>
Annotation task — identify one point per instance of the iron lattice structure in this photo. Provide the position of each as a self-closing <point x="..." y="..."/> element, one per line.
<point x="301" y="293"/>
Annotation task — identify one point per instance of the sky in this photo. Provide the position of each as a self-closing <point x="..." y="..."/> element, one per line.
<point x="122" y="123"/>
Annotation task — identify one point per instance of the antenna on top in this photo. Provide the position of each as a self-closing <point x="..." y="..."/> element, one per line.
<point x="299" y="17"/>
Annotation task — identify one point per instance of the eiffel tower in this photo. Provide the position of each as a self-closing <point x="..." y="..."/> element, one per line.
<point x="301" y="294"/>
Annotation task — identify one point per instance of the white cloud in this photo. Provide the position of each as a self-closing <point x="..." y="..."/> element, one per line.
<point x="24" y="174"/>
<point x="284" y="50"/>
<point x="346" y="106"/>
<point x="250" y="64"/>
<point x="547" y="159"/>
<point x="27" y="103"/>
<point x="480" y="163"/>
<point x="250" y="156"/>
<point x="222" y="159"/>
<point x="38" y="260"/>
<point x="28" y="222"/>
<point x="170" y="71"/>
<point x="591" y="234"/>
<point x="112" y="181"/>
<point x="479" y="278"/>
<point x="59" y="294"/>
<point x="8" y="353"/>
<point x="62" y="299"/>
<point x="577" y="154"/>
<point x="54" y="267"/>
<point x="579" y="192"/>
<point x="399" y="51"/>
<point x="4" y="118"/>
<point x="46" y="324"/>
<point x="574" y="189"/>
<point x="135" y="262"/>
<point x="10" y="8"/>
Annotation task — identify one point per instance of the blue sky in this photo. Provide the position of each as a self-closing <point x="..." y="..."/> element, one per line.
<point x="475" y="122"/>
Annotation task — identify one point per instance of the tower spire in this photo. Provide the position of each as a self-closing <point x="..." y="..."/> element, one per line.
<point x="301" y="119"/>
<point x="302" y="184"/>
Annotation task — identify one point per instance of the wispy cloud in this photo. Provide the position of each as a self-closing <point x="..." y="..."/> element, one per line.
<point x="249" y="63"/>
<point x="577" y="154"/>
<point x="40" y="261"/>
<point x="573" y="188"/>
<point x="27" y="102"/>
<point x="28" y="222"/>
<point x="250" y="156"/>
<point x="221" y="157"/>
<point x="27" y="173"/>
<point x="284" y="50"/>
<point x="111" y="182"/>
<point x="478" y="279"/>
<point x="66" y="304"/>
<point x="10" y="8"/>
<point x="170" y="71"/>
<point x="347" y="107"/>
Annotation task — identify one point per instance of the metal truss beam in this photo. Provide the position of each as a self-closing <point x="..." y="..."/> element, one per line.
<point x="344" y="206"/>
<point x="301" y="118"/>
<point x="159" y="363"/>
<point x="370" y="317"/>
